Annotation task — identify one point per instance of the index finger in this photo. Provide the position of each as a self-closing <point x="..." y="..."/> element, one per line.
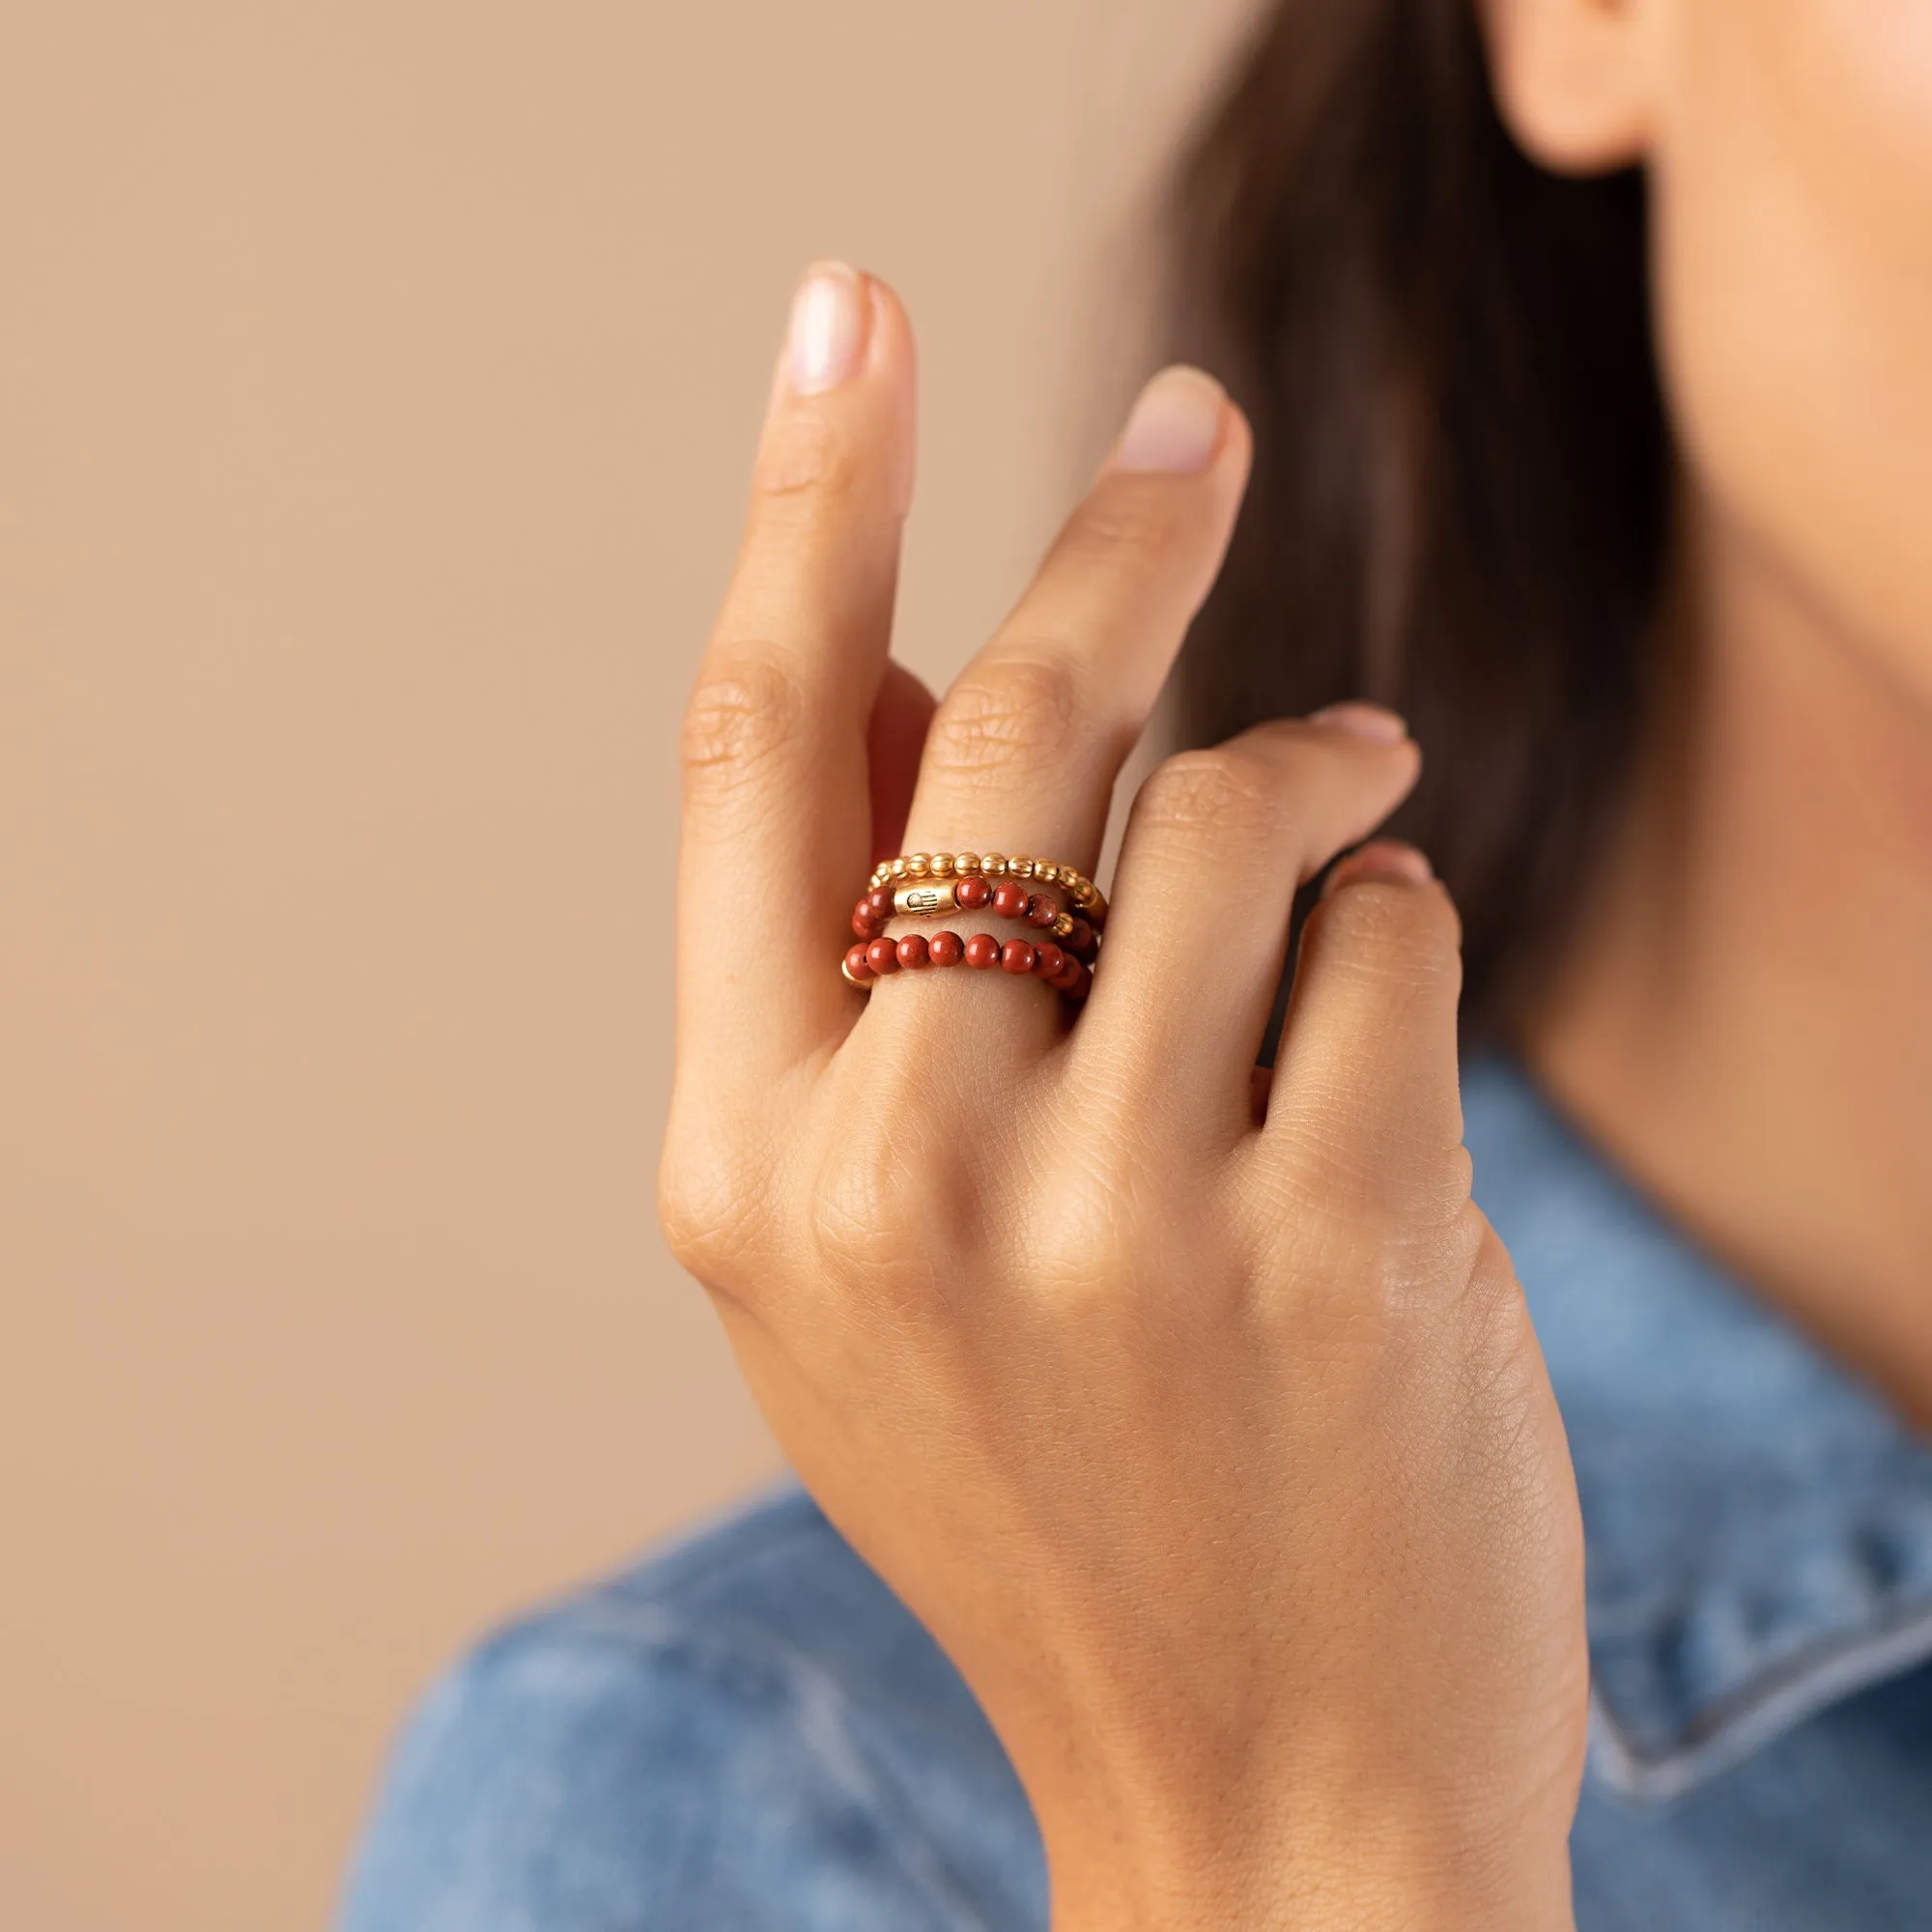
<point x="775" y="829"/>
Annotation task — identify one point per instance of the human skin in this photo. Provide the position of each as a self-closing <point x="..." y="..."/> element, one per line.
<point x="1201" y="1424"/>
<point x="1743" y="1018"/>
<point x="1210" y="1438"/>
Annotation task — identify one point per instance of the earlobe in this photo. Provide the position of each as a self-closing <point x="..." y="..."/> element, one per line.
<point x="1572" y="79"/>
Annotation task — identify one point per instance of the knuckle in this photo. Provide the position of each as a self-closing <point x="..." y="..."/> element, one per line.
<point x="864" y="1207"/>
<point x="1453" y="1197"/>
<point x="1329" y="1190"/>
<point x="1347" y="1154"/>
<point x="1019" y="707"/>
<point x="808" y="457"/>
<point x="1120" y="523"/>
<point x="1388" y="1268"/>
<point x="694" y="1237"/>
<point x="747" y="709"/>
<point x="1405" y="933"/>
<point x="1082" y="1226"/>
<point x="1101" y="1215"/>
<point x="1432" y="1215"/>
<point x="1401" y="1272"/>
<point x="1197" y="793"/>
<point x="848" y="1237"/>
<point x="1491" y="1293"/>
<point x="713" y="1201"/>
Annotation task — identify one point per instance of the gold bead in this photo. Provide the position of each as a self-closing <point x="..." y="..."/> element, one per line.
<point x="995" y="865"/>
<point x="1083" y="893"/>
<point x="880" y="874"/>
<point x="967" y="864"/>
<point x="896" y="869"/>
<point x="1047" y="875"/>
<point x="919" y="866"/>
<point x="1019" y="869"/>
<point x="942" y="866"/>
<point x="1063" y="926"/>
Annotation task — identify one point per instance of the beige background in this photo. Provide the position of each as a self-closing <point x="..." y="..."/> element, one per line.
<point x="376" y="387"/>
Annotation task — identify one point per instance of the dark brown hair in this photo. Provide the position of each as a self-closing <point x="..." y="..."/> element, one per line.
<point x="1463" y="471"/>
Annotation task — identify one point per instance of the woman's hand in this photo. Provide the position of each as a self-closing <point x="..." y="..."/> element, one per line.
<point x="1200" y="1421"/>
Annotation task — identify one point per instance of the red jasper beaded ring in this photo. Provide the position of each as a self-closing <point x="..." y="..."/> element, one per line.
<point x="1006" y="900"/>
<point x="913" y="953"/>
<point x="926" y="886"/>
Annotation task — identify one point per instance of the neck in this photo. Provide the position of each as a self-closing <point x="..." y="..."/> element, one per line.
<point x="1742" y="1021"/>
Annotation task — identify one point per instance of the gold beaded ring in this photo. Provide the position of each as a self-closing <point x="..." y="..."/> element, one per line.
<point x="921" y="868"/>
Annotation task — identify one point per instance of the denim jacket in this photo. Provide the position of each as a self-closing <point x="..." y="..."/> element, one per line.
<point x="749" y="1733"/>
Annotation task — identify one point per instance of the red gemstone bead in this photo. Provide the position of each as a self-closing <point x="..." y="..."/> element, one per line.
<point x="857" y="964"/>
<point x="883" y="956"/>
<point x="973" y="892"/>
<point x="1048" y="960"/>
<point x="914" y="953"/>
<point x="879" y="903"/>
<point x="1081" y="986"/>
<point x="1016" y="957"/>
<point x="1009" y="899"/>
<point x="1068" y="976"/>
<point x="1040" y="910"/>
<point x="864" y="924"/>
<point x="947" y="948"/>
<point x="982" y="951"/>
<point x="1080" y="941"/>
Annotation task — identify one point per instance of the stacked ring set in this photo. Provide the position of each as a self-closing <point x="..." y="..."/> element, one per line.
<point x="932" y="885"/>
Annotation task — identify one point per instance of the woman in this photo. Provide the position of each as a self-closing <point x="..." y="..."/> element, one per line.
<point x="1192" y="1536"/>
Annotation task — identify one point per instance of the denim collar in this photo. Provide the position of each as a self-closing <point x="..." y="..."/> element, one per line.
<point x="1758" y="1524"/>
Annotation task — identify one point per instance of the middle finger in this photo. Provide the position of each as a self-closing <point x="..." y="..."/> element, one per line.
<point x="1025" y="746"/>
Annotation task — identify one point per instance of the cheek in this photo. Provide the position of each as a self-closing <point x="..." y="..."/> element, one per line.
<point x="1793" y="185"/>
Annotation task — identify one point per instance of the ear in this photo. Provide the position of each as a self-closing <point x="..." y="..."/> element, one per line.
<point x="1574" y="78"/>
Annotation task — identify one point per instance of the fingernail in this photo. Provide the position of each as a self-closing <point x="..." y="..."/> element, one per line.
<point x="827" y="328"/>
<point x="1361" y="720"/>
<point x="1175" y="426"/>
<point x="1386" y="858"/>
